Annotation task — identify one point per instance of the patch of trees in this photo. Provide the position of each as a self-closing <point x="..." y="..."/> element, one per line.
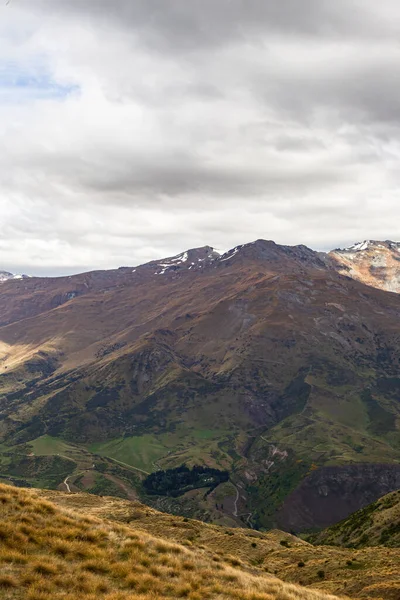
<point x="175" y="482"/>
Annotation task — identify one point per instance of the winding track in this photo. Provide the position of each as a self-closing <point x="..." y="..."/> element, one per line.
<point x="126" y="465"/>
<point x="235" y="512"/>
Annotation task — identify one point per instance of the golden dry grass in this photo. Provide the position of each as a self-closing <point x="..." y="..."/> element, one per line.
<point x="356" y="573"/>
<point x="50" y="552"/>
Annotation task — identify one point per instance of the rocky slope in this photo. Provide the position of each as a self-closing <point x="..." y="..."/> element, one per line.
<point x="264" y="361"/>
<point x="375" y="263"/>
<point x="377" y="524"/>
<point x="329" y="493"/>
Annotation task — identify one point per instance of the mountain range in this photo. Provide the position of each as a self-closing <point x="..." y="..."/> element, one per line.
<point x="275" y="363"/>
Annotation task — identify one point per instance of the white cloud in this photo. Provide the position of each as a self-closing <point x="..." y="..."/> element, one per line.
<point x="123" y="138"/>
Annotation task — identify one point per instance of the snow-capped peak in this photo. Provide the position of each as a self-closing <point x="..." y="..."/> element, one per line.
<point x="6" y="276"/>
<point x="359" y="246"/>
<point x="368" y="245"/>
<point x="194" y="258"/>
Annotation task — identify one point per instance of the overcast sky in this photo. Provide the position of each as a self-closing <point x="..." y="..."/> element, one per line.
<point x="134" y="129"/>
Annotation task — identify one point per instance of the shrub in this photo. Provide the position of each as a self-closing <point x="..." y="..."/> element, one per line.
<point x="321" y="574"/>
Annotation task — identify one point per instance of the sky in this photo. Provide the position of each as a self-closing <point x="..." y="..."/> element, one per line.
<point x="133" y="130"/>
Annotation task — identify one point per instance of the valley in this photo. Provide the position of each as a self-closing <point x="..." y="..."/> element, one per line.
<point x="265" y="362"/>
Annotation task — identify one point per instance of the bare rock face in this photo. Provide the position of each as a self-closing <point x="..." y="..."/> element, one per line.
<point x="331" y="494"/>
<point x="371" y="262"/>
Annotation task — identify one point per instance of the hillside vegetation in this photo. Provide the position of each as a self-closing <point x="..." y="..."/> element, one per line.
<point x="49" y="552"/>
<point x="369" y="573"/>
<point x="264" y="362"/>
<point x="375" y="525"/>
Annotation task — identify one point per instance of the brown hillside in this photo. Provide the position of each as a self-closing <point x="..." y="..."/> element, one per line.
<point x="257" y="362"/>
<point x="49" y="552"/>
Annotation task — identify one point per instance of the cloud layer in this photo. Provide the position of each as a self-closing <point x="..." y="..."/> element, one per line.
<point x="133" y="130"/>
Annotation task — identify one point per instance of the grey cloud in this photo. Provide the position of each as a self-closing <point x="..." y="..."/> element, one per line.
<point x="135" y="179"/>
<point x="206" y="23"/>
<point x="197" y="122"/>
<point x="362" y="92"/>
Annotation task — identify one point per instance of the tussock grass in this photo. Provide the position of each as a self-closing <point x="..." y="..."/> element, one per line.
<point x="249" y="550"/>
<point x="8" y="581"/>
<point x="48" y="552"/>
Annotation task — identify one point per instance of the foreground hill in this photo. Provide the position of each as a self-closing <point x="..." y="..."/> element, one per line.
<point x="73" y="546"/>
<point x="375" y="525"/>
<point x="49" y="552"/>
<point x="264" y="362"/>
<point x="366" y="573"/>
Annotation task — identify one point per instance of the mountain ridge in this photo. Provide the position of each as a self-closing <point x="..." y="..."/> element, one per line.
<point x="264" y="347"/>
<point x="202" y="252"/>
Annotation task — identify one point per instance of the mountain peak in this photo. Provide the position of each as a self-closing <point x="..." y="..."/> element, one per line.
<point x="269" y="251"/>
<point x="6" y="276"/>
<point x="373" y="262"/>
<point x="369" y="245"/>
<point x="191" y="259"/>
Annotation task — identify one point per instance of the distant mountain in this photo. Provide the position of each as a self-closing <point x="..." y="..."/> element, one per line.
<point x="374" y="263"/>
<point x="5" y="276"/>
<point x="264" y="361"/>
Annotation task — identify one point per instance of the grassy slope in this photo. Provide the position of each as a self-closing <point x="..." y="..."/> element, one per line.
<point x="376" y="524"/>
<point x="117" y="467"/>
<point x="138" y="451"/>
<point x="49" y="552"/>
<point x="124" y="461"/>
<point x="367" y="573"/>
<point x="244" y="362"/>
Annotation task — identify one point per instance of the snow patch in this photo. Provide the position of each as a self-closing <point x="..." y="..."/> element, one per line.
<point x="359" y="247"/>
<point x="180" y="258"/>
<point x="234" y="252"/>
<point x="5" y="276"/>
<point x="164" y="268"/>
